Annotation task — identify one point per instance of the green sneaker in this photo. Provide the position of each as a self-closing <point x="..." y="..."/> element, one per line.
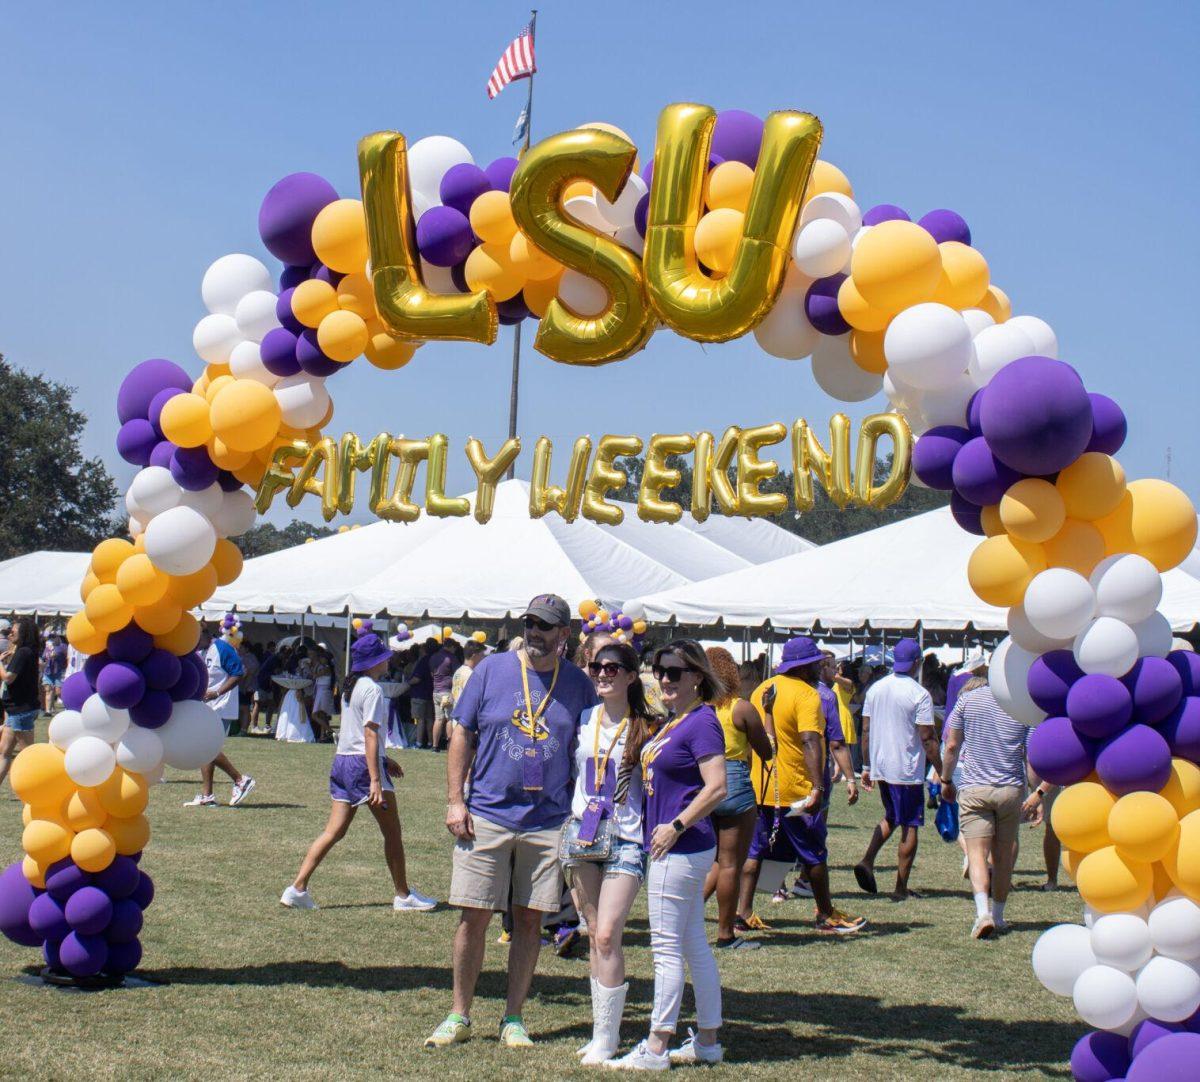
<point x="513" y="1033"/>
<point x="454" y="1030"/>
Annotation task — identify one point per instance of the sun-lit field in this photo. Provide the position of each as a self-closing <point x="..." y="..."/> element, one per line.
<point x="248" y="989"/>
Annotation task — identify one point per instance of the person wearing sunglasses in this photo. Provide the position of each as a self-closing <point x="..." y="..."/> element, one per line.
<point x="683" y="776"/>
<point x="515" y="738"/>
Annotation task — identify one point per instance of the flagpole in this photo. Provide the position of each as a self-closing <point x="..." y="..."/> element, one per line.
<point x="514" y="390"/>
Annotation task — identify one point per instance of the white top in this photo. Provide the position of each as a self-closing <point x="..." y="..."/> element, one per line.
<point x="629" y="814"/>
<point x="367" y="706"/>
<point x="896" y="705"/>
<point x="225" y="705"/>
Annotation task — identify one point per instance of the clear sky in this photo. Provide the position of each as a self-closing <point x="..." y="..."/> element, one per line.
<point x="139" y="140"/>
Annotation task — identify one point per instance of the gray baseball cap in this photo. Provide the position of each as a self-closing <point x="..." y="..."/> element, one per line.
<point x="551" y="608"/>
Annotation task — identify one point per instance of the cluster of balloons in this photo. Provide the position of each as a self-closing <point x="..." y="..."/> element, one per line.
<point x="1153" y="1050"/>
<point x="612" y="622"/>
<point x="231" y="630"/>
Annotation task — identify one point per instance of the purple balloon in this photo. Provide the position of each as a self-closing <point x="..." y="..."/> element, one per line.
<point x="973" y="408"/>
<point x="1058" y="754"/>
<point x="1037" y="416"/>
<point x="640" y="214"/>
<point x="186" y="686"/>
<point x="50" y="953"/>
<point x="885" y="212"/>
<point x="83" y="955"/>
<point x="88" y="911"/>
<point x="285" y="315"/>
<point x="120" y="685"/>
<point x="1109" y="426"/>
<point x="16" y="896"/>
<point x="968" y="515"/>
<point x="75" y="691"/>
<point x="64" y="878"/>
<point x="737" y="136"/>
<point x="95" y="665"/>
<point x="326" y="274"/>
<point x="278" y="351"/>
<point x="979" y="475"/>
<point x="500" y="173"/>
<point x="161" y="669"/>
<point x="126" y="923"/>
<point x="144" y="381"/>
<point x="648" y="172"/>
<point x="162" y="454"/>
<point x="1175" y="1056"/>
<point x="312" y="358"/>
<point x="1100" y="1056"/>
<point x="119" y="880"/>
<point x="458" y="275"/>
<point x="156" y="407"/>
<point x="292" y="277"/>
<point x="192" y="469"/>
<point x="286" y="217"/>
<point x="228" y="482"/>
<point x="1051" y="678"/>
<point x="1099" y="706"/>
<point x="1134" y="760"/>
<point x="444" y="234"/>
<point x="945" y="225"/>
<point x="461" y="185"/>
<point x="512" y="310"/>
<point x="1181" y="729"/>
<point x="153" y="711"/>
<point x="130" y="644"/>
<point x="821" y="307"/>
<point x="47" y="919"/>
<point x="1156" y="688"/>
<point x="123" y="958"/>
<point x="136" y="440"/>
<point x="1187" y="664"/>
<point x="144" y="892"/>
<point x="1149" y="1030"/>
<point x="933" y="456"/>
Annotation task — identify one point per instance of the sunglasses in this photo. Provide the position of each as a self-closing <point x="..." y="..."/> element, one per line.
<point x="532" y="621"/>
<point x="608" y="668"/>
<point x="673" y="673"/>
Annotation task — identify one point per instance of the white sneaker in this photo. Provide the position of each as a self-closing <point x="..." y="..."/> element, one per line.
<point x="984" y="927"/>
<point x="241" y="790"/>
<point x="414" y="900"/>
<point x="640" y="1059"/>
<point x="201" y="801"/>
<point x="296" y="899"/>
<point x="692" y="1051"/>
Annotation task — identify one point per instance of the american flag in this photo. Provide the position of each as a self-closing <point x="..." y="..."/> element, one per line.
<point x="516" y="62"/>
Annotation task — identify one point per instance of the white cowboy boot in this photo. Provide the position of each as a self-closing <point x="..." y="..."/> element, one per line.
<point x="608" y="1004"/>
<point x="595" y="1000"/>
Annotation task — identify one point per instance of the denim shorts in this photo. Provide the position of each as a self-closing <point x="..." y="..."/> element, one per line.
<point x="627" y="858"/>
<point x="21" y="723"/>
<point x="739" y="793"/>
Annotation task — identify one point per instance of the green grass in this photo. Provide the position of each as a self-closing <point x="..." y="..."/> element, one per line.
<point x="252" y="990"/>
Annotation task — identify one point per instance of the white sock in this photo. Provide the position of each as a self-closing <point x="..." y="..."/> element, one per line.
<point x="998" y="911"/>
<point x="981" y="903"/>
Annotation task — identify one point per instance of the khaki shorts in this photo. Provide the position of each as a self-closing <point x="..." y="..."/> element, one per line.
<point x="485" y="866"/>
<point x="987" y="811"/>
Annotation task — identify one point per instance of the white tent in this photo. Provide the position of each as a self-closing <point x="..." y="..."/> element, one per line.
<point x="1191" y="563"/>
<point x="43" y="582"/>
<point x="908" y="572"/>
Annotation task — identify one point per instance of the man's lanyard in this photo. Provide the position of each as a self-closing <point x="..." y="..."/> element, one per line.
<point x="530" y="713"/>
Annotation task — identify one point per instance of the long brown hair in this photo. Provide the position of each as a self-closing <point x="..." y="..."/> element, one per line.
<point x="727" y="672"/>
<point x="642" y="724"/>
<point x="710" y="686"/>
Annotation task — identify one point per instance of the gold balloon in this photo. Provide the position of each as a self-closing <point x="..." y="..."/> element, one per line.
<point x="488" y="473"/>
<point x="718" y="471"/>
<point x="406" y="307"/>
<point x="752" y="471"/>
<point x="537" y="195"/>
<point x="322" y="458"/>
<point x="279" y="473"/>
<point x="354" y="457"/>
<point x="866" y="491"/>
<point x="437" y="503"/>
<point x="686" y="299"/>
<point x="657" y="475"/>
<point x="831" y="468"/>
<point x="545" y="497"/>
<point x="701" y="490"/>
<point x="398" y="507"/>
<point x="605" y="477"/>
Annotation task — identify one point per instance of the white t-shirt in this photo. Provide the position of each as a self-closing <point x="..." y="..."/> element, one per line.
<point x="629" y="814"/>
<point x="896" y="705"/>
<point x="367" y="706"/>
<point x="225" y="705"/>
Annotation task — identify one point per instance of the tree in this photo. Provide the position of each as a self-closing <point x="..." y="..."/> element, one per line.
<point x="54" y="497"/>
<point x="264" y="538"/>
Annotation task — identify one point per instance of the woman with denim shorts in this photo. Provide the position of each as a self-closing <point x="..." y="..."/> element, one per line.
<point x="19" y="672"/>
<point x="608" y="797"/>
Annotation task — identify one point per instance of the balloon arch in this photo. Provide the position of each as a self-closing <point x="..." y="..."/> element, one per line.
<point x="736" y="226"/>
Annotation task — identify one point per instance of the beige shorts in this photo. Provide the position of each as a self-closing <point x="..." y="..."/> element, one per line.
<point x="485" y="866"/>
<point x="987" y="811"/>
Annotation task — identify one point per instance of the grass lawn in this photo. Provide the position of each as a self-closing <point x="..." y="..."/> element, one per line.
<point x="252" y="990"/>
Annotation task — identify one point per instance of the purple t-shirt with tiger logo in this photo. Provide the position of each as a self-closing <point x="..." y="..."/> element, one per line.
<point x="671" y="776"/>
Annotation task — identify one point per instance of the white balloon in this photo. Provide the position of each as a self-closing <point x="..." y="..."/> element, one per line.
<point x="428" y="161"/>
<point x="245" y="362"/>
<point x="1153" y="635"/>
<point x="1168" y="989"/>
<point x="583" y="295"/>
<point x="996" y="347"/>
<point x="236" y="515"/>
<point x="1174" y="928"/>
<point x="206" y="500"/>
<point x="631" y="239"/>
<point x="836" y="373"/>
<point x="859" y="236"/>
<point x="1121" y="940"/>
<point x="976" y="319"/>
<point x="214" y="338"/>
<point x="585" y="210"/>
<point x="1106" y="645"/>
<point x="136" y="527"/>
<point x="139" y="750"/>
<point x="1128" y="586"/>
<point x="180" y="541"/>
<point x="900" y="394"/>
<point x="151" y="492"/>
<point x="619" y="214"/>
<point x="303" y="399"/>
<point x="255" y="314"/>
<point x="1045" y="341"/>
<point x="192" y="736"/>
<point x="1026" y="636"/>
<point x="65" y="727"/>
<point x="927" y="345"/>
<point x="1008" y="676"/>
<point x="1105" y="997"/>
<point x="104" y="722"/>
<point x="421" y="203"/>
<point x="821" y="247"/>
<point x="786" y="332"/>
<point x="437" y="279"/>
<point x="1059" y="603"/>
<point x="947" y="405"/>
<point x="89" y="760"/>
<point x="1060" y="955"/>
<point x="229" y="279"/>
<point x="836" y="207"/>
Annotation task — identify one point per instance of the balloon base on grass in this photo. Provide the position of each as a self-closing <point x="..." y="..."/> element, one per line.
<point x="100" y="982"/>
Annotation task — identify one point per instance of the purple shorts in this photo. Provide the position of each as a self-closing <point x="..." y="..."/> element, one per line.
<point x="903" y="805"/>
<point x="349" y="781"/>
<point x="800" y="837"/>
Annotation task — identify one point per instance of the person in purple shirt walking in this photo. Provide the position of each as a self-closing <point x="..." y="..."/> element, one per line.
<point x="442" y="666"/>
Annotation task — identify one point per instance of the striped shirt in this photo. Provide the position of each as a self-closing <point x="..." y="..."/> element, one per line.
<point x="993" y="747"/>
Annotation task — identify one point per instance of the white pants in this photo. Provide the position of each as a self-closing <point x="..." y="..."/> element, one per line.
<point x="675" y="890"/>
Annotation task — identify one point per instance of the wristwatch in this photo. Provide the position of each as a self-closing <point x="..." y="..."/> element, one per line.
<point x="678" y="825"/>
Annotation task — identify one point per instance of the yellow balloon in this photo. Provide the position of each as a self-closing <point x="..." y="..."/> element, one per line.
<point x="857" y="312"/>
<point x="107" y="610"/>
<point x="717" y="237"/>
<point x="1032" y="510"/>
<point x="827" y="177"/>
<point x="342" y="336"/>
<point x="39" y="776"/>
<point x="1070" y="862"/>
<point x="1078" y="546"/>
<point x="896" y="264"/>
<point x="1001" y="567"/>
<point x="83" y="636"/>
<point x="479" y="636"/>
<point x="996" y="303"/>
<point x="224" y="456"/>
<point x="188" y="591"/>
<point x="184" y="420"/>
<point x="989" y="518"/>
<point x="124" y="794"/>
<point x="46" y="841"/>
<point x="578" y="188"/>
<point x="639" y="627"/>
<point x="84" y="810"/>
<point x="339" y="236"/>
<point x="1092" y="486"/>
<point x="89" y="583"/>
<point x="182" y="638"/>
<point x="489" y="268"/>
<point x="1183" y="860"/>
<point x="539" y="293"/>
<point x="1163" y="883"/>
<point x="531" y="262"/>
<point x="312" y="301"/>
<point x="1154" y="519"/>
<point x="964" y="278"/>
<point x="866" y="350"/>
<point x="34" y="872"/>
<point x="245" y="414"/>
<point x="1111" y="884"/>
<point x="108" y="556"/>
<point x="93" y="850"/>
<point x="492" y="219"/>
<point x="727" y="187"/>
<point x="356" y="294"/>
<point x="226" y="561"/>
<point x="447" y="631"/>
<point x="215" y="387"/>
<point x="588" y="608"/>
<point x="131" y="835"/>
<point x="158" y="617"/>
<point x="1183" y="787"/>
<point x="1080" y="816"/>
<point x="388" y="353"/>
<point x="1143" y="826"/>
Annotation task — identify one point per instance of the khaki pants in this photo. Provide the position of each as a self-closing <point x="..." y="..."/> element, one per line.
<point x="496" y="857"/>
<point x="987" y="811"/>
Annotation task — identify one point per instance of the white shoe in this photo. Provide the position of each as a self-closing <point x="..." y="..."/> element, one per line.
<point x="201" y="801"/>
<point x="241" y="790"/>
<point x="414" y="900"/>
<point x="984" y="927"/>
<point x="296" y="899"/>
<point x="692" y="1051"/>
<point x="640" y="1059"/>
<point x="608" y="1004"/>
<point x="581" y="1052"/>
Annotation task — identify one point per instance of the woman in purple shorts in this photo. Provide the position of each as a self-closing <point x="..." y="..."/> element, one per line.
<point x="361" y="774"/>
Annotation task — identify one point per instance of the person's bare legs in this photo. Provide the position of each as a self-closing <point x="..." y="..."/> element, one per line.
<point x="617" y="893"/>
<point x="522" y="956"/>
<point x="469" y="941"/>
<point x="586" y="879"/>
<point x="977" y="864"/>
<point x="749" y="885"/>
<point x="206" y="773"/>
<point x="733" y="843"/>
<point x="11" y="745"/>
<point x="818" y="879"/>
<point x="1004" y="860"/>
<point x="388" y="817"/>
<point x="906" y="853"/>
<point x="1051" y="853"/>
<point x="883" y="831"/>
<point x="340" y="817"/>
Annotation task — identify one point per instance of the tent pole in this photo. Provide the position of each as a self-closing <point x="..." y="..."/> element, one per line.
<point x="349" y="626"/>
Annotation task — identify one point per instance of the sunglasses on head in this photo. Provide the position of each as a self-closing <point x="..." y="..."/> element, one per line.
<point x="532" y="621"/>
<point x="608" y="668"/>
<point x="670" y="672"/>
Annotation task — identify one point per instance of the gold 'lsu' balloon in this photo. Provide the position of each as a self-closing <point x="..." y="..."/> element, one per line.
<point x="752" y="471"/>
<point x="686" y="299"/>
<point x="867" y="491"/>
<point x="407" y="308"/>
<point x="488" y="472"/>
<point x="605" y="160"/>
<point x="831" y="468"/>
<point x="545" y="497"/>
<point x="605" y="477"/>
<point x="657" y="475"/>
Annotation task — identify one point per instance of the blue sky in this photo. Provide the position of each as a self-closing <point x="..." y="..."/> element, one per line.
<point x="139" y="142"/>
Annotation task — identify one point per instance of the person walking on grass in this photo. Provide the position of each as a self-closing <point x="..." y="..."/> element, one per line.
<point x="19" y="678"/>
<point x="224" y="673"/>
<point x="515" y="739"/>
<point x="898" y="738"/>
<point x="362" y="774"/>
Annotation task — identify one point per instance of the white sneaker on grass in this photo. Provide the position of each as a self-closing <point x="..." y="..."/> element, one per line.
<point x="640" y="1059"/>
<point x="692" y="1051"/>
<point x="296" y="899"/>
<point x="201" y="801"/>
<point x="241" y="790"/>
<point x="413" y="900"/>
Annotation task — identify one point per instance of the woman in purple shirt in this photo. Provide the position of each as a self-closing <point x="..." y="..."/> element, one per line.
<point x="683" y="777"/>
